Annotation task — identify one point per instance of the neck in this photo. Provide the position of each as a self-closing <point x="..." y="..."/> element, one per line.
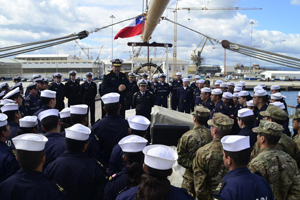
<point x="39" y="168"/>
<point x="264" y="146"/>
<point x="217" y="101"/>
<point x="242" y="126"/>
<point x="197" y="124"/>
<point x="56" y="130"/>
<point x="2" y="139"/>
<point x="232" y="167"/>
<point x="260" y="105"/>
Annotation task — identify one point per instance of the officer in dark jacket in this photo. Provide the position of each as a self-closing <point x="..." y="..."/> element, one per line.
<point x="116" y="81"/>
<point x="133" y="88"/>
<point x="59" y="88"/>
<point x="72" y="90"/>
<point x="149" y="84"/>
<point x="155" y="84"/>
<point x="216" y="97"/>
<point x="88" y="93"/>
<point x="205" y="98"/>
<point x="81" y="176"/>
<point x="162" y="92"/>
<point x="176" y="84"/>
<point x="143" y="101"/>
<point x="31" y="103"/>
<point x="185" y="96"/>
<point x="239" y="182"/>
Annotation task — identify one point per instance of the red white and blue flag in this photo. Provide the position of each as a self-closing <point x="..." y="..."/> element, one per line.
<point x="134" y="28"/>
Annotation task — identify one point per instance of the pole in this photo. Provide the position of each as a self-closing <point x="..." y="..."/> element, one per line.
<point x="224" y="61"/>
<point x="112" y="36"/>
<point x="283" y="53"/>
<point x="167" y="62"/>
<point x="251" y="46"/>
<point x="132" y="49"/>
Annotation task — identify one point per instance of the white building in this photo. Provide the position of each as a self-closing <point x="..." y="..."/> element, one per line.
<point x="281" y="75"/>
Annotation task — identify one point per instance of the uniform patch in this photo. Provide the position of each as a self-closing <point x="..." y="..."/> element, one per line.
<point x="107" y="73"/>
<point x="219" y="187"/>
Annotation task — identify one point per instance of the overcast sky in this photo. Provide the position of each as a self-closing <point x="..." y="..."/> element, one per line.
<point x="276" y="26"/>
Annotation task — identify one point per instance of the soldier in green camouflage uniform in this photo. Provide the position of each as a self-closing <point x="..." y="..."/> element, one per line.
<point x="190" y="142"/>
<point x="296" y="126"/>
<point x="286" y="144"/>
<point x="208" y="166"/>
<point x="276" y="166"/>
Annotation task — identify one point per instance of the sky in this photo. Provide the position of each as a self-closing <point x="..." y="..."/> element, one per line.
<point x="275" y="27"/>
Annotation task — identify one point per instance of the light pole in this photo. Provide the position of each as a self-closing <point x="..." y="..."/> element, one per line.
<point x="251" y="23"/>
<point x="112" y="36"/>
<point x="283" y="53"/>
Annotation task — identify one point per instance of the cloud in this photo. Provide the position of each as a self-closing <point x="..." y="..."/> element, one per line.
<point x="295" y="2"/>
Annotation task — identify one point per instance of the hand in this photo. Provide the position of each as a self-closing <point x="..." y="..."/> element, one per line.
<point x="121" y="87"/>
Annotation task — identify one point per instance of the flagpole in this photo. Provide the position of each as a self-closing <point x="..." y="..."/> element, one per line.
<point x="132" y="47"/>
<point x="112" y="36"/>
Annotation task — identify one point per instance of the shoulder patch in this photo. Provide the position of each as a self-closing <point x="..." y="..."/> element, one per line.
<point x="135" y="93"/>
<point x="150" y="92"/>
<point x="107" y="73"/>
<point x="230" y="106"/>
<point x="112" y="176"/>
<point x="219" y="187"/>
<point x="221" y="107"/>
<point x="50" y="84"/>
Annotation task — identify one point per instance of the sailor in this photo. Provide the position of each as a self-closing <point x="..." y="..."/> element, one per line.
<point x="176" y="84"/>
<point x="78" y="79"/>
<point x="40" y="87"/>
<point x="216" y="97"/>
<point x="264" y="87"/>
<point x="243" y="83"/>
<point x="237" y="106"/>
<point x="224" y="87"/>
<point x="246" y="121"/>
<point x="286" y="123"/>
<point x="206" y="83"/>
<point x="155" y="84"/>
<point x="15" y="95"/>
<point x="8" y="162"/>
<point x="143" y="101"/>
<point x="81" y="176"/>
<point x="149" y="85"/>
<point x="59" y="88"/>
<point x="28" y="124"/>
<point x="107" y="132"/>
<point x="218" y="83"/>
<point x="116" y="81"/>
<point x="65" y="119"/>
<point x="72" y="90"/>
<point x="29" y="182"/>
<point x="185" y="96"/>
<point x="194" y="86"/>
<point x="138" y="125"/>
<point x="17" y="80"/>
<point x="205" y="98"/>
<point x="35" y="76"/>
<point x="275" y="89"/>
<point x="260" y="100"/>
<point x="239" y="182"/>
<point x="228" y="102"/>
<point x="237" y="89"/>
<point x="88" y="93"/>
<point x="4" y="87"/>
<point x="130" y="176"/>
<point x="162" y="92"/>
<point x="158" y="163"/>
<point x="31" y="103"/>
<point x="56" y="141"/>
<point x="197" y="92"/>
<point x="230" y="87"/>
<point x="133" y="88"/>
<point x="46" y="84"/>
<point x="244" y="96"/>
<point x="13" y="116"/>
<point x="252" y="107"/>
<point x="79" y="114"/>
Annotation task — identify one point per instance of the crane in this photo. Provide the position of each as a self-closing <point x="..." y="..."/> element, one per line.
<point x="88" y="53"/>
<point x="99" y="53"/>
<point x="195" y="8"/>
<point x="197" y="58"/>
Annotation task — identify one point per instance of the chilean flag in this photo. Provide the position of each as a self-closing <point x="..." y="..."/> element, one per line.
<point x="132" y="29"/>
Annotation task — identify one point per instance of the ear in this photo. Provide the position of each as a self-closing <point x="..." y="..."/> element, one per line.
<point x="144" y="167"/>
<point x="129" y="131"/>
<point x="84" y="147"/>
<point x="44" y="129"/>
<point x="124" y="158"/>
<point x="104" y="109"/>
<point x="171" y="172"/>
<point x="59" y="123"/>
<point x="194" y="119"/>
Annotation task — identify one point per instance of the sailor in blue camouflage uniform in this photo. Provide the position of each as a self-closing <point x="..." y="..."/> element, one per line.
<point x="197" y="92"/>
<point x="216" y="97"/>
<point x="176" y="84"/>
<point x="239" y="183"/>
<point x="31" y="102"/>
<point x="138" y="126"/>
<point x="132" y="147"/>
<point x="205" y="98"/>
<point x="16" y="97"/>
<point x="185" y="97"/>
<point x="162" y="92"/>
<point x="72" y="90"/>
<point x="133" y="88"/>
<point x="158" y="163"/>
<point x="29" y="183"/>
<point x="59" y="88"/>
<point x="260" y="100"/>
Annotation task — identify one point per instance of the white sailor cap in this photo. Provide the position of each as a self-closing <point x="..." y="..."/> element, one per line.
<point x="89" y="74"/>
<point x="28" y="121"/>
<point x="258" y="87"/>
<point x="216" y="91"/>
<point x="30" y="142"/>
<point x="35" y="76"/>
<point x="133" y="143"/>
<point x="223" y="85"/>
<point x="279" y="105"/>
<point x="237" y="89"/>
<point x="12" y="93"/>
<point x="142" y="82"/>
<point x="9" y="107"/>
<point x="65" y="113"/>
<point x="48" y="94"/>
<point x="239" y="85"/>
<point x="162" y="75"/>
<point x="5" y="101"/>
<point x="245" y="112"/>
<point x="275" y="87"/>
<point x="298" y="93"/>
<point x="73" y="72"/>
<point x="242" y="83"/>
<point x="78" y="132"/>
<point x="235" y="95"/>
<point x="243" y="93"/>
<point x="230" y="83"/>
<point x="112" y="97"/>
<point x="227" y="95"/>
<point x="206" y="89"/>
<point x="57" y="75"/>
<point x="47" y="113"/>
<point x="139" y="122"/>
<point x="185" y="80"/>
<point x="80" y="109"/>
<point x="260" y="93"/>
<point x="277" y="96"/>
<point x="178" y="73"/>
<point x="160" y="156"/>
<point x="250" y="103"/>
<point x="262" y="85"/>
<point x="201" y="81"/>
<point x="235" y="143"/>
<point x="197" y="76"/>
<point x="218" y="82"/>
<point x="3" y="119"/>
<point x="155" y="76"/>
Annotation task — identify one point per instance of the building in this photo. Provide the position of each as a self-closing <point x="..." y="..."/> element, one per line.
<point x="10" y="68"/>
<point x="281" y="75"/>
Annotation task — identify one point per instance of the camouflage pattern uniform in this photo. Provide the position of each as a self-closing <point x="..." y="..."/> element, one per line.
<point x="285" y="143"/>
<point x="296" y="139"/>
<point x="276" y="166"/>
<point x="208" y="166"/>
<point x="187" y="146"/>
